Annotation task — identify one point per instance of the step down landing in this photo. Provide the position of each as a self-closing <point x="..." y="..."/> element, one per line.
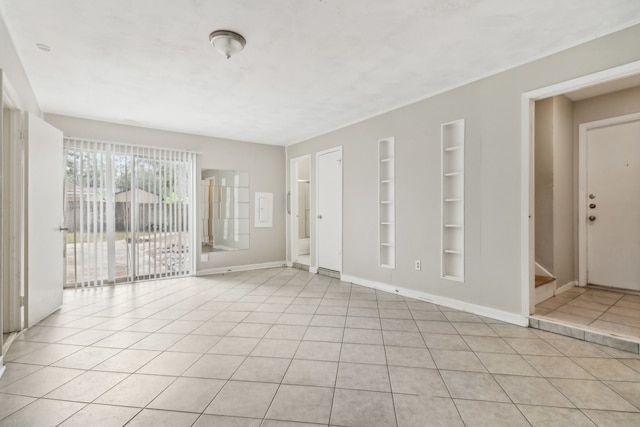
<point x="543" y="280"/>
<point x="545" y="288"/>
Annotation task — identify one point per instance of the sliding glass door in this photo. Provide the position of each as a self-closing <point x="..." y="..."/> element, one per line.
<point x="128" y="212"/>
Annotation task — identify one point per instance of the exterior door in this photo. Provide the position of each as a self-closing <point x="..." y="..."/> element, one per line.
<point x="613" y="205"/>
<point x="330" y="210"/>
<point x="45" y="251"/>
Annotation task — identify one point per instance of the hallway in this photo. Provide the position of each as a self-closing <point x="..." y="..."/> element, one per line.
<point x="283" y="347"/>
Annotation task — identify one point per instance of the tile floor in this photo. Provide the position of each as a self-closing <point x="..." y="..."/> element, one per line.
<point x="285" y="348"/>
<point x="599" y="309"/>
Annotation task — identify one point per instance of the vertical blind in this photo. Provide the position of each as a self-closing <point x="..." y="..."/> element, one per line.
<point x="129" y="212"/>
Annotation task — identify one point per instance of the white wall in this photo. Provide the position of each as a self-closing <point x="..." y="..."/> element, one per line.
<point x="491" y="108"/>
<point x="14" y="73"/>
<point x="265" y="164"/>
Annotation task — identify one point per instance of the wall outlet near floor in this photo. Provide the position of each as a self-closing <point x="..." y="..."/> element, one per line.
<point x="417" y="264"/>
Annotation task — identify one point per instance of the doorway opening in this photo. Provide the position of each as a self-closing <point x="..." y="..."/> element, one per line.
<point x="299" y="208"/>
<point x="558" y="279"/>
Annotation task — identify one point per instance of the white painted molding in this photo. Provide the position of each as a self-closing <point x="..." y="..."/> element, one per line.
<point x="614" y="73"/>
<point x="480" y="310"/>
<point x="566" y="287"/>
<point x="289" y="263"/>
<point x="246" y="267"/>
<point x="10" y="95"/>
<point x="313" y="270"/>
<point x="527" y="219"/>
<point x="3" y="368"/>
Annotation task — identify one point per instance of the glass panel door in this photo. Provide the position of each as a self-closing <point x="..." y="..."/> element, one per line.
<point x="127" y="212"/>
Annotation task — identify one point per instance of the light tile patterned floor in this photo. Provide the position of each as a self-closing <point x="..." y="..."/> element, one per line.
<point x="599" y="309"/>
<point x="284" y="348"/>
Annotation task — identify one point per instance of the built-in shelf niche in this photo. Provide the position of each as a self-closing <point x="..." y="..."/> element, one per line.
<point x="452" y="139"/>
<point x="386" y="202"/>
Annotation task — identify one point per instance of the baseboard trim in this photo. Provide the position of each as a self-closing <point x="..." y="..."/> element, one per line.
<point x="289" y="263"/>
<point x="2" y="367"/>
<point x="246" y="267"/>
<point x="480" y="310"/>
<point x="566" y="287"/>
<point x="313" y="270"/>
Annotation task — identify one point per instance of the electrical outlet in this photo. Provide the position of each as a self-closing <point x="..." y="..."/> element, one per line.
<point x="418" y="264"/>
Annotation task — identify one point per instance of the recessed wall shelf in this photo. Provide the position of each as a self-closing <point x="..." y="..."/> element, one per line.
<point x="386" y="198"/>
<point x="452" y="206"/>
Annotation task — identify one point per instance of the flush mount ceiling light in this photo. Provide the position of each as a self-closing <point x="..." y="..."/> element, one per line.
<point x="227" y="42"/>
<point x="43" y="46"/>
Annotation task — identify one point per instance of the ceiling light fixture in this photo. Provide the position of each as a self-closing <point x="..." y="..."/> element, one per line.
<point x="227" y="42"/>
<point x="43" y="46"/>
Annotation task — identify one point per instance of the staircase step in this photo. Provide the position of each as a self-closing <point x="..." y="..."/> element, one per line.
<point x="543" y="280"/>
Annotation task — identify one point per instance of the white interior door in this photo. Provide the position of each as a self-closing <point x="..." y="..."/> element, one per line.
<point x="330" y="210"/>
<point x="45" y="250"/>
<point x="613" y="205"/>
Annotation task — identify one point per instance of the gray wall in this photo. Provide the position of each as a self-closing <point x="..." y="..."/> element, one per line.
<point x="265" y="164"/>
<point x="491" y="107"/>
<point x="543" y="148"/>
<point x="564" y="212"/>
<point x="554" y="188"/>
<point x="605" y="106"/>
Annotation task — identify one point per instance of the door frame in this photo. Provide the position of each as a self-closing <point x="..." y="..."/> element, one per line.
<point x="316" y="260"/>
<point x="13" y="261"/>
<point x="293" y="205"/>
<point x="527" y="169"/>
<point x="583" y="128"/>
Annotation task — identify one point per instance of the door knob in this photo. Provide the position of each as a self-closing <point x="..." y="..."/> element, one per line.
<point x="592" y="205"/>
<point x="592" y="217"/>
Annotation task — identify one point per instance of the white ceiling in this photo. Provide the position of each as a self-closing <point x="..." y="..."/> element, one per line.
<point x="310" y="66"/>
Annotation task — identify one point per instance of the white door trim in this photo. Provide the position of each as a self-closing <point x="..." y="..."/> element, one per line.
<point x="14" y="233"/>
<point x="583" y="128"/>
<point x="314" y="260"/>
<point x="527" y="221"/>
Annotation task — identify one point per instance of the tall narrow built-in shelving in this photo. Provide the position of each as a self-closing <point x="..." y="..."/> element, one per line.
<point x="453" y="200"/>
<point x="386" y="201"/>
